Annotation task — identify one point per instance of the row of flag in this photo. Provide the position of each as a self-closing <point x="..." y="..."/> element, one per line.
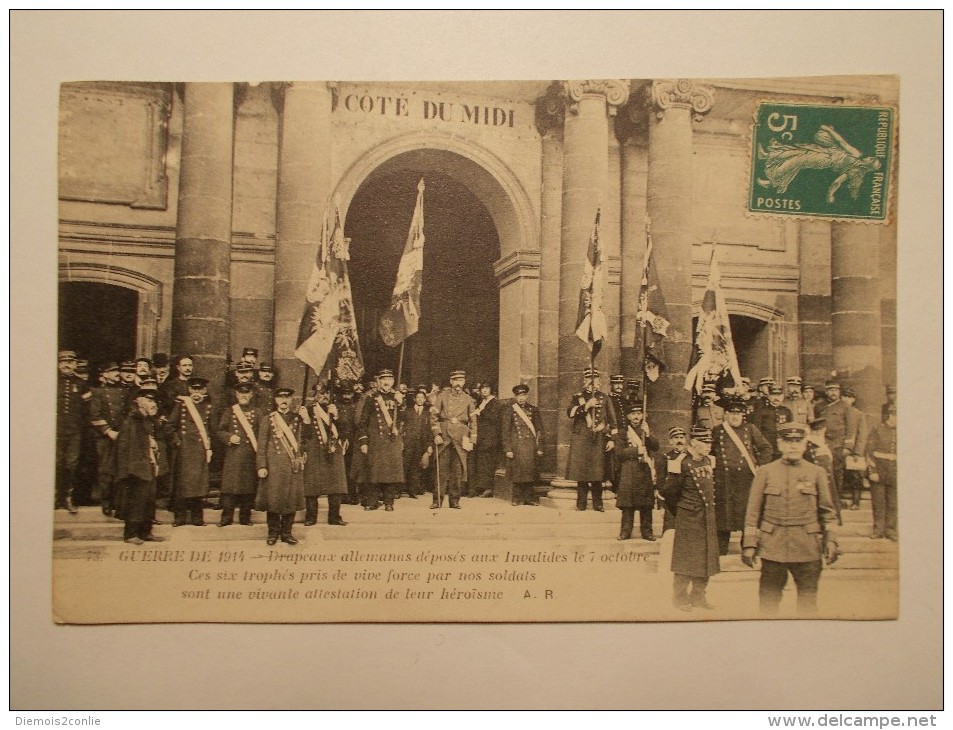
<point x="328" y="340"/>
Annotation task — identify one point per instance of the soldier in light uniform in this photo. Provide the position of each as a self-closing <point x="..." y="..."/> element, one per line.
<point x="854" y="463"/>
<point x="738" y="449"/>
<point x="380" y="435"/>
<point x="324" y="473"/>
<point x="636" y="449"/>
<point x="238" y="434"/>
<point x="281" y="462"/>
<point x="882" y="461"/>
<point x="592" y="427"/>
<point x="790" y="523"/>
<point x="453" y="422"/>
<point x="139" y="461"/>
<point x="107" y="411"/>
<point x="690" y="487"/>
<point x="192" y="422"/>
<point x="802" y="411"/>
<point x="72" y="398"/>
<point x="522" y="439"/>
<point x="843" y="429"/>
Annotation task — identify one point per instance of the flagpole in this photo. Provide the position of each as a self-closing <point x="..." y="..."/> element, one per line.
<point x="400" y="362"/>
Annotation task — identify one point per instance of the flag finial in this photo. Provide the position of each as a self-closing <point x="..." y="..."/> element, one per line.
<point x="420" y="185"/>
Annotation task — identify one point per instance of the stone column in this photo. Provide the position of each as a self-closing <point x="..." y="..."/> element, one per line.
<point x="585" y="178"/>
<point x="814" y="301"/>
<point x="672" y="106"/>
<point x="304" y="184"/>
<point x="203" y="231"/>
<point x="855" y="312"/>
<point x="888" y="301"/>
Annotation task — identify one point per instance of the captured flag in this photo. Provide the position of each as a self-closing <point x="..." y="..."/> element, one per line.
<point x="591" y="325"/>
<point x="714" y="352"/>
<point x="402" y="319"/>
<point x="327" y="337"/>
<point x="652" y="314"/>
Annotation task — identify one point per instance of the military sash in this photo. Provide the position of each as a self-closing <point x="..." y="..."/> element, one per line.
<point x="324" y="423"/>
<point x="199" y="425"/>
<point x="246" y="426"/>
<point x="154" y="455"/>
<point x="636" y="440"/>
<point x="740" y="446"/>
<point x="386" y="411"/>
<point x="287" y="438"/>
<point x="525" y="418"/>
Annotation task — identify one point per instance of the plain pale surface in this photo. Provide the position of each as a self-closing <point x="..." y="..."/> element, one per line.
<point x="806" y="665"/>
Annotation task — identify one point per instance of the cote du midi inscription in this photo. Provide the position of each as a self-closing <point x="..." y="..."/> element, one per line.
<point x="457" y="112"/>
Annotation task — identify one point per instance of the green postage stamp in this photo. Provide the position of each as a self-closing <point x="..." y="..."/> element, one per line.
<point x="822" y="161"/>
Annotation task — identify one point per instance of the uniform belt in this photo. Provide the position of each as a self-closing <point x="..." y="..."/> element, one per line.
<point x="797" y="522"/>
<point x="883" y="455"/>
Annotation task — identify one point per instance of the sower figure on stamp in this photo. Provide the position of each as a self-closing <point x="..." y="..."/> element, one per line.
<point x="592" y="426"/>
<point x="107" y="411"/>
<point x="324" y="469"/>
<point x="790" y="523"/>
<point x="486" y="453"/>
<point x="139" y="460"/>
<point x="192" y="420"/>
<point x="280" y="463"/>
<point x="454" y="425"/>
<point x="522" y="443"/>
<point x="636" y="449"/>
<point x="72" y="396"/>
<point x="738" y="449"/>
<point x="418" y="447"/>
<point x="690" y="487"/>
<point x="380" y="438"/>
<point x="238" y="432"/>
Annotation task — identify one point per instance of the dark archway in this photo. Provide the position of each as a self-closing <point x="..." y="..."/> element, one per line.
<point x="459" y="324"/>
<point x="751" y="338"/>
<point x="97" y="320"/>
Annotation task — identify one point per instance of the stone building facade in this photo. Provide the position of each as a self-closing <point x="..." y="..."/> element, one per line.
<point x="190" y="214"/>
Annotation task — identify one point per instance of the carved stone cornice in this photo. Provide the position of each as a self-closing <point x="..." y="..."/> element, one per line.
<point x="615" y="92"/>
<point x="683" y="94"/>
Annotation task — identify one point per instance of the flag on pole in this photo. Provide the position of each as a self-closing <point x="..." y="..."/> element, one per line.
<point x="591" y="325"/>
<point x="327" y="337"/>
<point x="402" y="319"/>
<point x="714" y="352"/>
<point x="652" y="314"/>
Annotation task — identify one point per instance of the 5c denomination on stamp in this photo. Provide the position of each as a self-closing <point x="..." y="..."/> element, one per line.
<point x="822" y="161"/>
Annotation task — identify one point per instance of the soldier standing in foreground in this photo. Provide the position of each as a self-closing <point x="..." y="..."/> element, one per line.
<point x="637" y="475"/>
<point x="238" y="431"/>
<point x="882" y="460"/>
<point x="192" y="420"/>
<point x="790" y="523"/>
<point x="454" y="424"/>
<point x="522" y="438"/>
<point x="324" y="469"/>
<point x="280" y="464"/>
<point x="380" y="438"/>
<point x="107" y="411"/>
<point x="72" y="396"/>
<point x="592" y="426"/>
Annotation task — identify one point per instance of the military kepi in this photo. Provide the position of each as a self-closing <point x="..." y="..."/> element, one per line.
<point x="700" y="433"/>
<point x="284" y="392"/>
<point x="196" y="383"/>
<point x="792" y="431"/>
<point x="521" y="388"/>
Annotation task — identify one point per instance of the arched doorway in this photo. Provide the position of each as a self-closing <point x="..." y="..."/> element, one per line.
<point x="98" y="320"/>
<point x="460" y="310"/>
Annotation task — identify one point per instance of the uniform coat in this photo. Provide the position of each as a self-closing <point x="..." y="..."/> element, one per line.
<point x="790" y="512"/>
<point x="324" y="470"/>
<point x="636" y="487"/>
<point x="191" y="469"/>
<point x="587" y="443"/>
<point x="140" y="459"/>
<point x="518" y="438"/>
<point x="282" y="491"/>
<point x="239" y="471"/>
<point x="385" y="445"/>
<point x="802" y="411"/>
<point x="108" y="409"/>
<point x="767" y="419"/>
<point x="733" y="475"/>
<point x="690" y="487"/>
<point x="453" y="417"/>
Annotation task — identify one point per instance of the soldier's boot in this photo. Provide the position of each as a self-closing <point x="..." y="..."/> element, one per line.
<point x="228" y="511"/>
<point x="699" y="597"/>
<point x="582" y="493"/>
<point x="628" y="522"/>
<point x="645" y="525"/>
<point x="519" y="494"/>
<point x="286" y="522"/>
<point x="274" y="527"/>
<point x="437" y="503"/>
<point x="597" y="497"/>
<point x="334" y="510"/>
<point x="180" y="513"/>
<point x="196" y="514"/>
<point x="455" y="502"/>
<point x="70" y="505"/>
<point x="244" y="510"/>
<point x="310" y="511"/>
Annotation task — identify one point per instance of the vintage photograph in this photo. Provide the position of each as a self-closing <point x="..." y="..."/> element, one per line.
<point x="598" y="350"/>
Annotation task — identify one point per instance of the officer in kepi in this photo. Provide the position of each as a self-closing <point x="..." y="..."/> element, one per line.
<point x="593" y="422"/>
<point x="790" y="523"/>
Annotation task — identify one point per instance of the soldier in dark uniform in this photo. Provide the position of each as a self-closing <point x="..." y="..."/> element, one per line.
<point x="770" y="416"/>
<point x="709" y="414"/>
<point x="324" y="473"/>
<point x="818" y="452"/>
<point x="192" y="422"/>
<point x="677" y="443"/>
<point x="250" y="356"/>
<point x="592" y="426"/>
<point x="636" y="449"/>
<point x="486" y="454"/>
<point x="139" y="460"/>
<point x="738" y="449"/>
<point x="108" y="409"/>
<point x="85" y="479"/>
<point x="380" y="438"/>
<point x="244" y="374"/>
<point x="281" y="468"/>
<point x="882" y="460"/>
<point x="418" y="443"/>
<point x="521" y="440"/>
<point x="72" y="397"/>
<point x="764" y="391"/>
<point x="238" y="434"/>
<point x="127" y="380"/>
<point x="266" y="387"/>
<point x="454" y="425"/>
<point x="790" y="523"/>
<point x="690" y="486"/>
<point x="619" y="405"/>
<point x="347" y="430"/>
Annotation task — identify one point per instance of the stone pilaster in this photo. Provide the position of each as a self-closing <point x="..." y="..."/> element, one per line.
<point x="814" y="301"/>
<point x="304" y="184"/>
<point x="672" y="107"/>
<point x="203" y="231"/>
<point x="585" y="181"/>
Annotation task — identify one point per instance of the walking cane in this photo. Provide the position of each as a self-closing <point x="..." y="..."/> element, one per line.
<point x="438" y="497"/>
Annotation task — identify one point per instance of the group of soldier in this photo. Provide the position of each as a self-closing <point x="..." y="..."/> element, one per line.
<point x="777" y="466"/>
